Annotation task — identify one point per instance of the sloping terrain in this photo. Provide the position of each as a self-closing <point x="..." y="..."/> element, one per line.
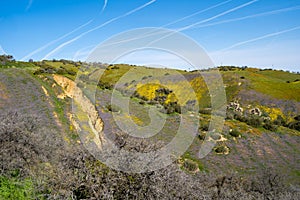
<point x="256" y="156"/>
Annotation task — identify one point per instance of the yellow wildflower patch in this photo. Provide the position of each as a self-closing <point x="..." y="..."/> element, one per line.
<point x="148" y="90"/>
<point x="272" y="112"/>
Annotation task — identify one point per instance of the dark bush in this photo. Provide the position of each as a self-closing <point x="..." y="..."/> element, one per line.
<point x="221" y="149"/>
<point x="205" y="111"/>
<point x="201" y="135"/>
<point x="268" y="125"/>
<point x="254" y="121"/>
<point x="105" y="85"/>
<point x="6" y="58"/>
<point x="71" y="72"/>
<point x="61" y="71"/>
<point x="112" y="108"/>
<point x="235" y="133"/>
<point x="297" y="118"/>
<point x="172" y="108"/>
<point x="144" y="98"/>
<point x="204" y="126"/>
<point x="165" y="91"/>
<point x="280" y="121"/>
<point x="295" y="125"/>
<point x="240" y="117"/>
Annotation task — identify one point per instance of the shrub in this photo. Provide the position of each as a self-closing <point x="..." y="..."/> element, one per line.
<point x="14" y="189"/>
<point x="204" y="127"/>
<point x="177" y="108"/>
<point x="61" y="71"/>
<point x="254" y="121"/>
<point x="165" y="91"/>
<point x="152" y="102"/>
<point x="71" y="72"/>
<point x="190" y="165"/>
<point x="297" y="118"/>
<point x="234" y="133"/>
<point x="172" y="108"/>
<point x="44" y="68"/>
<point x="144" y="98"/>
<point x="115" y="67"/>
<point x="6" y="58"/>
<point x="105" y="85"/>
<point x="269" y="126"/>
<point x="202" y="135"/>
<point x="280" y="121"/>
<point x="240" y="117"/>
<point x="205" y="111"/>
<point x="295" y="125"/>
<point x="230" y="114"/>
<point x="221" y="149"/>
<point x="112" y="108"/>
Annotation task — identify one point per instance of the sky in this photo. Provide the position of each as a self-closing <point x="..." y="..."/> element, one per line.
<point x="257" y="33"/>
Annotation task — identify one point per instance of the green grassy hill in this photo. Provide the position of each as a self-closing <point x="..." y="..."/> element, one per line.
<point x="40" y="143"/>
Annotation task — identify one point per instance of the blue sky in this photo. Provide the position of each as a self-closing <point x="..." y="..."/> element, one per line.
<point x="262" y="33"/>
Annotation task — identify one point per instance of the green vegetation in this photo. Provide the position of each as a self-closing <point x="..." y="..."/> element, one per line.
<point x="262" y="129"/>
<point x="13" y="189"/>
<point x="235" y="133"/>
<point x="222" y="149"/>
<point x="191" y="163"/>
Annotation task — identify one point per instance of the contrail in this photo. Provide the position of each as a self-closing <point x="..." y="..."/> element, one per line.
<point x="186" y="17"/>
<point x="217" y="16"/>
<point x="100" y="26"/>
<point x="252" y="16"/>
<point x="104" y="5"/>
<point x="196" y="13"/>
<point x="261" y="37"/>
<point x="54" y="41"/>
<point x="207" y="20"/>
<point x="170" y="23"/>
<point x="224" y="21"/>
<point x="29" y="5"/>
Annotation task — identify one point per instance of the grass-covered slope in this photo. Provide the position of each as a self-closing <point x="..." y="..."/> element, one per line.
<point x="42" y="156"/>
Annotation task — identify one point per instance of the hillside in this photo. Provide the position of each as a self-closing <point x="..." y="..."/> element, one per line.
<point x="44" y="154"/>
